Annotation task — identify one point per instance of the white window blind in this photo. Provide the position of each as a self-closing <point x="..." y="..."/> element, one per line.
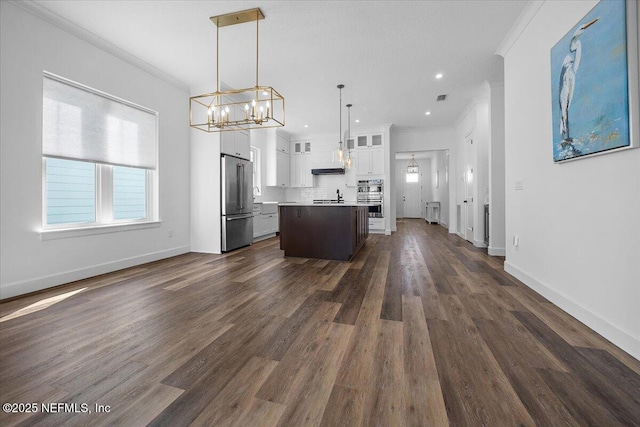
<point x="83" y="124"/>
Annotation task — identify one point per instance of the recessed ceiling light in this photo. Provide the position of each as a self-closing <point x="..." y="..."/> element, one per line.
<point x="357" y="121"/>
<point x="428" y="113"/>
<point x="439" y="76"/>
<point x="306" y="126"/>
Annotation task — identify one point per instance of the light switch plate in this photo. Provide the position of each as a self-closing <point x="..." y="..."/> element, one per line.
<point x="519" y="184"/>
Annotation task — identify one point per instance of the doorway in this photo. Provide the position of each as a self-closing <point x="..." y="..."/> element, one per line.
<point x="412" y="195"/>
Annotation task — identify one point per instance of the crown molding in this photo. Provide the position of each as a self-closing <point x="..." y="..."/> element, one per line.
<point x="64" y="24"/>
<point x="519" y="26"/>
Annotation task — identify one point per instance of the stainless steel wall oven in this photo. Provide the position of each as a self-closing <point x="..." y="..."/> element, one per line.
<point x="371" y="192"/>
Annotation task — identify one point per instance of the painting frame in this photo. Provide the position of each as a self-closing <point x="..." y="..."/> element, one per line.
<point x="593" y="115"/>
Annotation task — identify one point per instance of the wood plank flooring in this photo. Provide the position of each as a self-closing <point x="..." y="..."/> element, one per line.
<point x="420" y="329"/>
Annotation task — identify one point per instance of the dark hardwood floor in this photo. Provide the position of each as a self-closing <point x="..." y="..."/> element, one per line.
<point x="420" y="329"/>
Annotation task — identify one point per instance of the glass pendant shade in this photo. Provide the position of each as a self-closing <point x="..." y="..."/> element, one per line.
<point x="339" y="152"/>
<point x="347" y="161"/>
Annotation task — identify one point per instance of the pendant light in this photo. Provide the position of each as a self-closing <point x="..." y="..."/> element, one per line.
<point x="347" y="160"/>
<point x="413" y="166"/>
<point x="340" y="136"/>
<point x="255" y="107"/>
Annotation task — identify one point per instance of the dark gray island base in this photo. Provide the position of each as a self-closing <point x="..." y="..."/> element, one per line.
<point x="323" y="231"/>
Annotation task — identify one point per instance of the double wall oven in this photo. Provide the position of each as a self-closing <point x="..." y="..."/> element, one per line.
<point x="371" y="192"/>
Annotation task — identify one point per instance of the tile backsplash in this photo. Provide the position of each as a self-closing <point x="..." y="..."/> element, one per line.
<point x="271" y="194"/>
<point x="325" y="188"/>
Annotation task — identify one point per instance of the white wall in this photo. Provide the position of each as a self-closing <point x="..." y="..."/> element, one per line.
<point x="206" y="219"/>
<point x="28" y="46"/>
<point x="496" y="170"/>
<point x="420" y="140"/>
<point x="474" y="124"/>
<point x="578" y="221"/>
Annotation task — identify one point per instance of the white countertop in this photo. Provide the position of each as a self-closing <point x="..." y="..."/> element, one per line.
<point x="322" y="204"/>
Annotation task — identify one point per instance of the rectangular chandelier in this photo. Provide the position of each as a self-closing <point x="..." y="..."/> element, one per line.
<point x="237" y="109"/>
<point x="255" y="107"/>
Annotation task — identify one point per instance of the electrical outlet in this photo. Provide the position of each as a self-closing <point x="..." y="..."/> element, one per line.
<point x="170" y="233"/>
<point x="516" y="241"/>
<point x="520" y="185"/>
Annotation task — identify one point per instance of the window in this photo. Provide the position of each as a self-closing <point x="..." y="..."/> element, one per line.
<point x="99" y="155"/>
<point x="412" y="177"/>
<point x="255" y="159"/>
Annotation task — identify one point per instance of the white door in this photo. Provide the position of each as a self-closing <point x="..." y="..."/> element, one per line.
<point x="469" y="183"/>
<point x="412" y="196"/>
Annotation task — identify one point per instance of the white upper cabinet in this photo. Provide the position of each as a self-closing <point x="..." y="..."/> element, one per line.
<point x="282" y="143"/>
<point x="277" y="158"/>
<point x="235" y="143"/>
<point x="370" y="154"/>
<point x="301" y="171"/>
<point x="301" y="147"/>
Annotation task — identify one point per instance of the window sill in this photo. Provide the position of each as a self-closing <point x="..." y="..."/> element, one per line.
<point x="64" y="233"/>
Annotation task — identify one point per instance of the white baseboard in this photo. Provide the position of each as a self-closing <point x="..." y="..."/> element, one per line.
<point x="496" y="251"/>
<point x="265" y="237"/>
<point x="32" y="285"/>
<point x="479" y="244"/>
<point x="616" y="335"/>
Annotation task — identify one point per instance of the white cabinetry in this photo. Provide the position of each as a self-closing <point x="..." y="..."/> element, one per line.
<point x="301" y="171"/>
<point x="351" y="172"/>
<point x="270" y="223"/>
<point x="235" y="143"/>
<point x="369" y="155"/>
<point x="301" y="164"/>
<point x="265" y="220"/>
<point x="277" y="156"/>
<point x="301" y="147"/>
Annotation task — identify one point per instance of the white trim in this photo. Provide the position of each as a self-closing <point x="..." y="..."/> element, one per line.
<point x="479" y="244"/>
<point x="45" y="14"/>
<point x="263" y="237"/>
<point x="496" y="251"/>
<point x="32" y="285"/>
<point x="64" y="233"/>
<point x="519" y="26"/>
<point x="623" y="339"/>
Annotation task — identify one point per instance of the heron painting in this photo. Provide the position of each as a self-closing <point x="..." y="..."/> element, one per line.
<point x="589" y="84"/>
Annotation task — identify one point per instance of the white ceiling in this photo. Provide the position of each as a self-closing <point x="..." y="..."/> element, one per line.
<point x="386" y="53"/>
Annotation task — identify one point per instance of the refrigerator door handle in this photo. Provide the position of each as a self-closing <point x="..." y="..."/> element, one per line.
<point x="239" y="217"/>
<point x="242" y="186"/>
<point x="239" y="176"/>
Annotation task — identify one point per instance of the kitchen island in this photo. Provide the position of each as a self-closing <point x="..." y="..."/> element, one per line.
<point x="327" y="231"/>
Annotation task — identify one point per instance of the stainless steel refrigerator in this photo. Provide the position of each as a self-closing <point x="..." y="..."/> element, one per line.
<point x="237" y="202"/>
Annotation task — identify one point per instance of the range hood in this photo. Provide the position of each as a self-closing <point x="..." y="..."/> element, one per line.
<point x="328" y="171"/>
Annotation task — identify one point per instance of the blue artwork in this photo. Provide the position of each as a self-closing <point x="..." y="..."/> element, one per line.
<point x="589" y="84"/>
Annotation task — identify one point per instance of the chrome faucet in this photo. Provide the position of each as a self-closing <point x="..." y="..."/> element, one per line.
<point x="256" y="191"/>
<point x="340" y="197"/>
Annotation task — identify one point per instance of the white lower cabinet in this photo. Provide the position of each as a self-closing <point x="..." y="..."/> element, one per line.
<point x="265" y="224"/>
<point x="376" y="224"/>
